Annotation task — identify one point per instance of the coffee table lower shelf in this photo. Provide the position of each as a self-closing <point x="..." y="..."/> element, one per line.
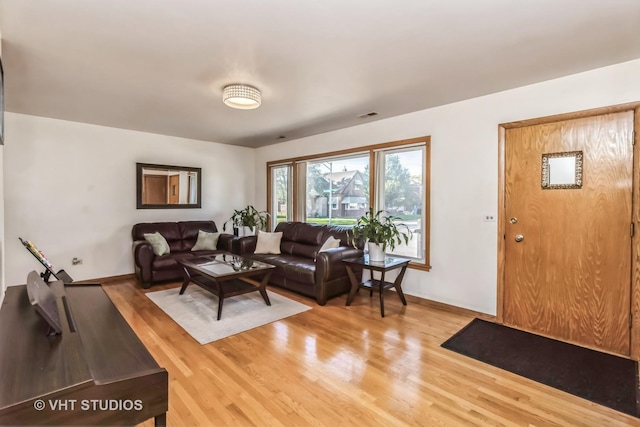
<point x="229" y="288"/>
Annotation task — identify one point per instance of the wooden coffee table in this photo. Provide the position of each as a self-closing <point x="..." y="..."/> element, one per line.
<point x="226" y="275"/>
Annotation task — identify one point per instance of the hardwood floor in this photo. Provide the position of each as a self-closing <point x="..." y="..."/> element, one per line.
<point x="347" y="366"/>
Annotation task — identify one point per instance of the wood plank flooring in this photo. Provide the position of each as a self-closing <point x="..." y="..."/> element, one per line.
<point x="344" y="366"/>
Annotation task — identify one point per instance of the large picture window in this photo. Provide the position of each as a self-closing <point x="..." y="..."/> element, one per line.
<point x="339" y="187"/>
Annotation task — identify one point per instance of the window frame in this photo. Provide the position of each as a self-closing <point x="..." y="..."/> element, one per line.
<point x="290" y="192"/>
<point x="298" y="183"/>
<point x="380" y="179"/>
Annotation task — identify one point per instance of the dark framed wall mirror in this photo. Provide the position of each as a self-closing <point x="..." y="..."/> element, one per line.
<point x="168" y="187"/>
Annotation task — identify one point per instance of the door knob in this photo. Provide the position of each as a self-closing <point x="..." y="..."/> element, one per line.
<point x="519" y="238"/>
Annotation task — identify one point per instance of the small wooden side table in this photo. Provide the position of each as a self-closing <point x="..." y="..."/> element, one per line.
<point x="390" y="263"/>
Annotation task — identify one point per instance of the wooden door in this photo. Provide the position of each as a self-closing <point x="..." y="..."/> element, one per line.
<point x="570" y="276"/>
<point x="174" y="189"/>
<point x="154" y="190"/>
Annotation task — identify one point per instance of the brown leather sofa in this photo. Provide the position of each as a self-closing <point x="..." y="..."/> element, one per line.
<point x="301" y="267"/>
<point x="181" y="237"/>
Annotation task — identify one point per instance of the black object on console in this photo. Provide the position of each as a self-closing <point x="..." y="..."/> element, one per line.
<point x="60" y="275"/>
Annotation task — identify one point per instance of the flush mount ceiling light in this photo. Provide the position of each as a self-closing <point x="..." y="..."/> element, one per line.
<point x="241" y="96"/>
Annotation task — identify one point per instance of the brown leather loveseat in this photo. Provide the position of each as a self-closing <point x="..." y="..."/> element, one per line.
<point x="300" y="266"/>
<point x="181" y="237"/>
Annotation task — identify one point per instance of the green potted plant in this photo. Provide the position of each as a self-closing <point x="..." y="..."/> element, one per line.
<point x="381" y="231"/>
<point x="247" y="221"/>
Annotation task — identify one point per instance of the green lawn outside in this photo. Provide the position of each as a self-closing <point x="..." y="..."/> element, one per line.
<point x="408" y="217"/>
<point x="334" y="221"/>
<point x="344" y="221"/>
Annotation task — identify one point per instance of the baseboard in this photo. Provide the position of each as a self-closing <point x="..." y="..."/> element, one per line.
<point x="410" y="298"/>
<point x="107" y="280"/>
<point x="449" y="308"/>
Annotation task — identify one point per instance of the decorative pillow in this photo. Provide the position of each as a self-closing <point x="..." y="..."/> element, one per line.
<point x="206" y="241"/>
<point x="268" y="243"/>
<point x="158" y="243"/>
<point x="330" y="243"/>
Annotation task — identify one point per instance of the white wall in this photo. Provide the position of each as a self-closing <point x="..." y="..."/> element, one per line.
<point x="71" y="189"/>
<point x="464" y="171"/>
<point x="3" y="285"/>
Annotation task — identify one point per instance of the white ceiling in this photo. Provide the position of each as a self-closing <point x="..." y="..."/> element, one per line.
<point x="160" y="65"/>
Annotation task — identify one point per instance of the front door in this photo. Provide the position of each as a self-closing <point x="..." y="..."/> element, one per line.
<point x="154" y="190"/>
<point x="568" y="250"/>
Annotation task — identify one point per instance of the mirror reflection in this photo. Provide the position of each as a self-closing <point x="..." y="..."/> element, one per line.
<point x="167" y="187"/>
<point x="562" y="170"/>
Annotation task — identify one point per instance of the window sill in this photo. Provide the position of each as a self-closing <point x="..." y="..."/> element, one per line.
<point x="419" y="266"/>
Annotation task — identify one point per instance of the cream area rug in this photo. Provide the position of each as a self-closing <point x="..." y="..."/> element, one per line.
<point x="197" y="310"/>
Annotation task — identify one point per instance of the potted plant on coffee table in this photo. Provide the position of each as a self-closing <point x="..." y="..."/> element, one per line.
<point x="381" y="231"/>
<point x="247" y="221"/>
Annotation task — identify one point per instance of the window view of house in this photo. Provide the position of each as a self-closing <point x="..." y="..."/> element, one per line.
<point x="337" y="190"/>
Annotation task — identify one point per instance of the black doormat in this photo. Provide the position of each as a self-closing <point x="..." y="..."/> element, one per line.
<point x="599" y="377"/>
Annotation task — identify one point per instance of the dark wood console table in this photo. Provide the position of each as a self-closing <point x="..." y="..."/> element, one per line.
<point x="96" y="372"/>
<point x="389" y="263"/>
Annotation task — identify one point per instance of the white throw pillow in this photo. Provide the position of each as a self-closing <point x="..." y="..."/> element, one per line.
<point x="206" y="241"/>
<point x="268" y="243"/>
<point x="330" y="243"/>
<point x="158" y="243"/>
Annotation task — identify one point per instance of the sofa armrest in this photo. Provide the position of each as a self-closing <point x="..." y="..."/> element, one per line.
<point x="143" y="253"/>
<point x="143" y="257"/>
<point x="244" y="245"/>
<point x="329" y="263"/>
<point x="225" y="242"/>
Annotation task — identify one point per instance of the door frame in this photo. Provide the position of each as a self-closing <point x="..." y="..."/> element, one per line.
<point x="634" y="310"/>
